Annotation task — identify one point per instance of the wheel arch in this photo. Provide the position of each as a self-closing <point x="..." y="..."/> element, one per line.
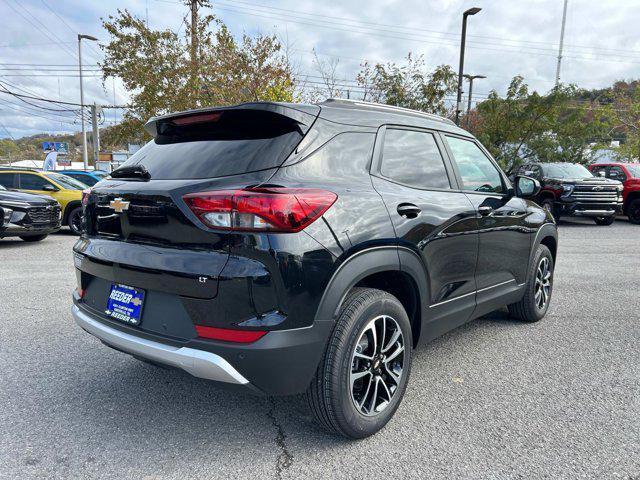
<point x="381" y="268"/>
<point x="631" y="196"/>
<point x="69" y="208"/>
<point x="546" y="235"/>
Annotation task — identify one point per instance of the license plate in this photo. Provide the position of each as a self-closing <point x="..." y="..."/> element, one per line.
<point x="125" y="304"/>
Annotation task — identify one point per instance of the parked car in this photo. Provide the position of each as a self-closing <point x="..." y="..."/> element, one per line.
<point x="570" y="189"/>
<point x="289" y="248"/>
<point x="629" y="175"/>
<point x="88" y="177"/>
<point x="65" y="190"/>
<point x="30" y="217"/>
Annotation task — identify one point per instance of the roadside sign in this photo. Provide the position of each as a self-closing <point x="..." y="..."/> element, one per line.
<point x="60" y="147"/>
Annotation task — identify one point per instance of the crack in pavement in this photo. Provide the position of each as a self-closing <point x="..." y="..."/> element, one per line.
<point x="285" y="459"/>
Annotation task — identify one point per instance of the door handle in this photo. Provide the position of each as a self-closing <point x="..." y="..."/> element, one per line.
<point x="485" y="210"/>
<point x="408" y="210"/>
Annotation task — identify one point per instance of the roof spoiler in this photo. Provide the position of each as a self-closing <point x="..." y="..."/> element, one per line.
<point x="305" y="115"/>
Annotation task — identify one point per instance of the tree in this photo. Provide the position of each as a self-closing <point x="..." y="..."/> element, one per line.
<point x="157" y="68"/>
<point x="623" y="118"/>
<point x="409" y="85"/>
<point x="529" y="126"/>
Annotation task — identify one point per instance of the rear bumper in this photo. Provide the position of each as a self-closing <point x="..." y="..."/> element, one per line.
<point x="196" y="362"/>
<point x="283" y="362"/>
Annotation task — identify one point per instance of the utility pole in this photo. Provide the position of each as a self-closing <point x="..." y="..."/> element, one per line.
<point x="463" y="39"/>
<point x="95" y="133"/>
<point x="84" y="132"/>
<point x="471" y="78"/>
<point x="564" y="21"/>
<point x="194" y="33"/>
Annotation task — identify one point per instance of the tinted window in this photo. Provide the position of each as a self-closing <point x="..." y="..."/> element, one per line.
<point x="8" y="180"/>
<point x="67" y="182"/>
<point x="86" y="179"/>
<point x="413" y="158"/>
<point x="30" y="181"/>
<point x="227" y="143"/>
<point x="617" y="173"/>
<point x="477" y="171"/>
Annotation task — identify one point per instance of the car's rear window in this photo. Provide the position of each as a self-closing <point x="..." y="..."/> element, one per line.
<point x="224" y="143"/>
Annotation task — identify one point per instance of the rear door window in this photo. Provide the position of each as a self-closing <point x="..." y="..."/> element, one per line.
<point x="413" y="158"/>
<point x="30" y="181"/>
<point x="218" y="144"/>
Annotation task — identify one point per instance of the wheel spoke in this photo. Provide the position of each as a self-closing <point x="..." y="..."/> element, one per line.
<point x="394" y="338"/>
<point x="374" y="397"/>
<point x="363" y="356"/>
<point x="392" y="374"/>
<point x="383" y="334"/>
<point x="366" y="393"/>
<point x="395" y="353"/>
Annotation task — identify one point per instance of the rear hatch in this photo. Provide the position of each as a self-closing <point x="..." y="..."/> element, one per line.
<point x="139" y="230"/>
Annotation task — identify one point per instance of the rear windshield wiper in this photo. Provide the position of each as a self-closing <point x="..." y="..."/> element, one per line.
<point x="132" y="171"/>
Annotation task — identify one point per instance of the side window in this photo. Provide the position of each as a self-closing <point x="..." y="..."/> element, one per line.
<point x="8" y="180"/>
<point x="478" y="173"/>
<point x="616" y="173"/>
<point x="413" y="158"/>
<point x="596" y="170"/>
<point x="29" y="181"/>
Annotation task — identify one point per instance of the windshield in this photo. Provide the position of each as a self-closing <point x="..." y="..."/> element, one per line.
<point x="634" y="170"/>
<point x="66" y="182"/>
<point x="566" y="170"/>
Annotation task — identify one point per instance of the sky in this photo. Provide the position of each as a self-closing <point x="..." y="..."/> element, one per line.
<point x="39" y="57"/>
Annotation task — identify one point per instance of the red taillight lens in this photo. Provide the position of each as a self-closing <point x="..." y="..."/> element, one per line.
<point x="228" y="335"/>
<point x="85" y="196"/>
<point x="261" y="209"/>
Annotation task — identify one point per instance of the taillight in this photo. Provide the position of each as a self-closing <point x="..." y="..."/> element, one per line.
<point x="85" y="196"/>
<point x="229" y="335"/>
<point x="261" y="209"/>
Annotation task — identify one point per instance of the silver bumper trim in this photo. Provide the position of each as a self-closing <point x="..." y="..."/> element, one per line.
<point x="594" y="213"/>
<point x="196" y="362"/>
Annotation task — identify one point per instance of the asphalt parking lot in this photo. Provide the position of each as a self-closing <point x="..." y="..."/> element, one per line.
<point x="492" y="399"/>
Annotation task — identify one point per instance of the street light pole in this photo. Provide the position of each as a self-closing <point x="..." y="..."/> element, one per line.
<point x="471" y="11"/>
<point x="471" y="78"/>
<point x="84" y="132"/>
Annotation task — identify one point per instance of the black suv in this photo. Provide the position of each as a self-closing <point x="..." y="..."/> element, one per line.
<point x="30" y="217"/>
<point x="569" y="189"/>
<point x="292" y="248"/>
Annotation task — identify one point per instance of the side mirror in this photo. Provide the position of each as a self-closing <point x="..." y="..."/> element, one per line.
<point x="527" y="187"/>
<point x="49" y="188"/>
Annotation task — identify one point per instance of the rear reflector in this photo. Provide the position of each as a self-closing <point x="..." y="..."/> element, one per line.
<point x="261" y="209"/>
<point x="228" y="335"/>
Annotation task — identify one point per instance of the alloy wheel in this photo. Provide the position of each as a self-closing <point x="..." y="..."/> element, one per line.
<point x="376" y="365"/>
<point x="543" y="283"/>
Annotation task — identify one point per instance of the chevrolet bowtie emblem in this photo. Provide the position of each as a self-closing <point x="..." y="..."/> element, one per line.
<point x="118" y="205"/>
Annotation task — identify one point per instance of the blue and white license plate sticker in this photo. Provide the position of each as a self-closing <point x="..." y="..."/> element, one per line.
<point x="125" y="304"/>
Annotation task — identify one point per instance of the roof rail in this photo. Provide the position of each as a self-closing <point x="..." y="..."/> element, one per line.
<point x="28" y="169"/>
<point x="393" y="108"/>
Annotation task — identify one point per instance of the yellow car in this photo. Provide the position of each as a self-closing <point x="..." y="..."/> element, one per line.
<point x="66" y="190"/>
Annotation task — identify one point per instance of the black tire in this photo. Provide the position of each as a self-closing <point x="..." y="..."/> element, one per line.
<point x="528" y="309"/>
<point x="633" y="211"/>
<point x="34" y="238"/>
<point x="550" y="205"/>
<point x="330" y="396"/>
<point x="604" y="220"/>
<point x="75" y="221"/>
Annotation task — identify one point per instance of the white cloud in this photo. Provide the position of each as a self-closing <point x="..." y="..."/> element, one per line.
<point x="505" y="39"/>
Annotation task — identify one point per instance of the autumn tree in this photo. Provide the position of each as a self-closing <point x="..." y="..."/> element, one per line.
<point x="526" y="125"/>
<point x="157" y="70"/>
<point x="623" y="118"/>
<point x="409" y="85"/>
